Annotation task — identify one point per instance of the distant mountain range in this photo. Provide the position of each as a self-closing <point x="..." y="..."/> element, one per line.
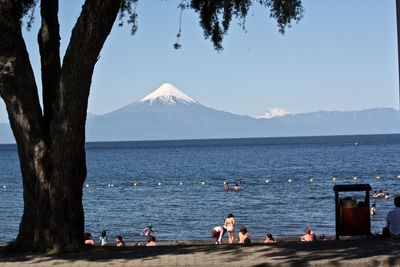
<point x="168" y="113"/>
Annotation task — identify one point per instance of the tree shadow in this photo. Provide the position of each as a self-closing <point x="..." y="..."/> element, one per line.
<point x="333" y="253"/>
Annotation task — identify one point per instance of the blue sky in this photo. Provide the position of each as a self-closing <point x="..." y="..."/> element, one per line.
<point x="341" y="56"/>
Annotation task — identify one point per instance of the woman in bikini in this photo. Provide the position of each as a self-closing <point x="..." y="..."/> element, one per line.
<point x="243" y="236"/>
<point x="230" y="227"/>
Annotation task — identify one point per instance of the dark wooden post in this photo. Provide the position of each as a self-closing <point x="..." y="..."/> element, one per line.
<point x="337" y="206"/>
<point x="367" y="193"/>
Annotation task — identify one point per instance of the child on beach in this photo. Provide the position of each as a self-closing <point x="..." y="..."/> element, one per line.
<point x="88" y="239"/>
<point x="103" y="238"/>
<point x="243" y="236"/>
<point x="151" y="241"/>
<point x="148" y="230"/>
<point x="308" y="236"/>
<point x="230" y="227"/>
<point x="119" y="242"/>
<point x="269" y="238"/>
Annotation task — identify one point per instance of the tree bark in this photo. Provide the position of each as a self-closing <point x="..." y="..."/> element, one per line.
<point x="51" y="143"/>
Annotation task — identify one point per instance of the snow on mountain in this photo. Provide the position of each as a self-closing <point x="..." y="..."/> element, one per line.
<point x="168" y="95"/>
<point x="273" y="112"/>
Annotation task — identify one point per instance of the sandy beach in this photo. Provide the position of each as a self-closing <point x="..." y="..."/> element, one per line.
<point x="192" y="253"/>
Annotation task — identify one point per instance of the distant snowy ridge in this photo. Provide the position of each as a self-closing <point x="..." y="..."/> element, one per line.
<point x="273" y="112"/>
<point x="168" y="95"/>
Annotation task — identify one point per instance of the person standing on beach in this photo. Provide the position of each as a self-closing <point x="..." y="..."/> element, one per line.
<point x="230" y="227"/>
<point x="393" y="219"/>
<point x="148" y="230"/>
<point x="103" y="238"/>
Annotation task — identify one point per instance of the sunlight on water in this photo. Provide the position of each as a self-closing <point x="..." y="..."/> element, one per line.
<point x="178" y="185"/>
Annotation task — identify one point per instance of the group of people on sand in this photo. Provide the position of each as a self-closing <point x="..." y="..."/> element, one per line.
<point x="243" y="236"/>
<point x="119" y="242"/>
<point x="392" y="230"/>
<point x="236" y="187"/>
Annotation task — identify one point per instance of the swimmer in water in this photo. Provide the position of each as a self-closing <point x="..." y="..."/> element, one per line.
<point x="236" y="187"/>
<point x="380" y="194"/>
<point x="226" y="185"/>
<point x="373" y="209"/>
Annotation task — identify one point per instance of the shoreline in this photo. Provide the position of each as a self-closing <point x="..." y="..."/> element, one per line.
<point x="365" y="252"/>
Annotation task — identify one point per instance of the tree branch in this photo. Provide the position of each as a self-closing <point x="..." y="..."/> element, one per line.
<point x="17" y="82"/>
<point x="87" y="39"/>
<point x="49" y="46"/>
<point x="19" y="92"/>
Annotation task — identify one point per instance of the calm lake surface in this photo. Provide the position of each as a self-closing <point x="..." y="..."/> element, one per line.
<point x="180" y="184"/>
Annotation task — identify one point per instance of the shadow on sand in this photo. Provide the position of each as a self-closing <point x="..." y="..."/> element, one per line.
<point x="333" y="253"/>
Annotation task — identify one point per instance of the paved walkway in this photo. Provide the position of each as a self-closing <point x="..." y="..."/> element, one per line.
<point x="319" y="253"/>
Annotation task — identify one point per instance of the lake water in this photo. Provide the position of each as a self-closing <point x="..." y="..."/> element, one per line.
<point x="180" y="184"/>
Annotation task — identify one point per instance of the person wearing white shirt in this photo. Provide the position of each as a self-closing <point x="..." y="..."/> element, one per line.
<point x="393" y="219"/>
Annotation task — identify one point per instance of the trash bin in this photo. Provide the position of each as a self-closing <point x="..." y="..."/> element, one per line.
<point x="352" y="217"/>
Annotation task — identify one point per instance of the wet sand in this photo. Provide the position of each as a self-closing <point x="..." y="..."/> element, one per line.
<point x="201" y="253"/>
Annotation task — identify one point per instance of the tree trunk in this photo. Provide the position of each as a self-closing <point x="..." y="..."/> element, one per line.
<point x="51" y="143"/>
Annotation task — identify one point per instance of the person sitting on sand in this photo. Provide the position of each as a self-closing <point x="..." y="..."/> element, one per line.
<point x="119" y="242"/>
<point x="103" y="238"/>
<point x="243" y="236"/>
<point x="373" y="209"/>
<point x="230" y="227"/>
<point x="151" y="241"/>
<point x="269" y="238"/>
<point x="88" y="239"/>
<point x="236" y="187"/>
<point x="393" y="220"/>
<point x="218" y="232"/>
<point x="308" y="236"/>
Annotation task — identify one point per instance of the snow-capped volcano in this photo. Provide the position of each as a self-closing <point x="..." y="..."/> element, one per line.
<point x="168" y="94"/>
